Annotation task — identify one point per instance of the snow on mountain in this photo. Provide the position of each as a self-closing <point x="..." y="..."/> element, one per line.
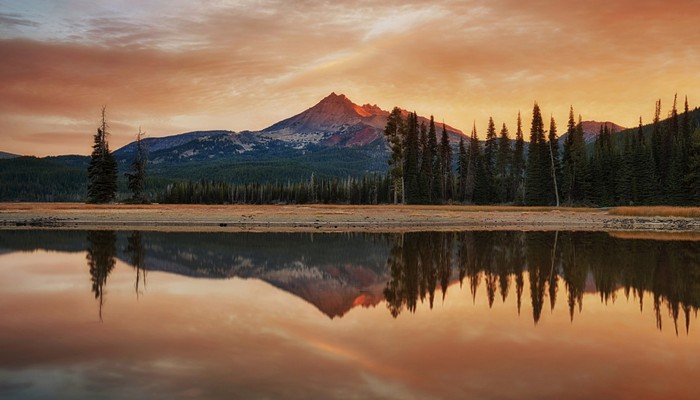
<point x="334" y="122"/>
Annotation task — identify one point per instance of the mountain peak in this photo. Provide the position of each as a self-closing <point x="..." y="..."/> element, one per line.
<point x="333" y="111"/>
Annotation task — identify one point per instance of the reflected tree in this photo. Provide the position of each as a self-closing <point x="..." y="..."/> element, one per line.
<point x="584" y="262"/>
<point x="134" y="249"/>
<point x="101" y="252"/>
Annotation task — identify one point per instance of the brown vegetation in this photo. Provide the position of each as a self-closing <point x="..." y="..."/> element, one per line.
<point x="318" y="217"/>
<point x="657" y="211"/>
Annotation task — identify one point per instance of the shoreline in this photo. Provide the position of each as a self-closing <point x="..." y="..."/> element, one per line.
<point x="326" y="218"/>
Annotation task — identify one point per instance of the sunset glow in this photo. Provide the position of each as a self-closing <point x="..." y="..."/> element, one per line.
<point x="178" y="66"/>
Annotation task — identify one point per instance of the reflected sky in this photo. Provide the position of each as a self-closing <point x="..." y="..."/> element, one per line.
<point x="245" y="337"/>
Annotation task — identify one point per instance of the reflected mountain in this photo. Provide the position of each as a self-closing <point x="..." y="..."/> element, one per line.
<point x="338" y="271"/>
<point x="334" y="272"/>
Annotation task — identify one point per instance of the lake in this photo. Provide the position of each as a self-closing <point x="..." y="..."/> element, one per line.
<point x="424" y="315"/>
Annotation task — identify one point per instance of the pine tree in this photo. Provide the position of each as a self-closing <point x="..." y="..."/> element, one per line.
<point x="412" y="161"/>
<point x="483" y="188"/>
<point x="518" y="165"/>
<point x="426" y="167"/>
<point x="137" y="176"/>
<point x="102" y="170"/>
<point x="538" y="177"/>
<point x="394" y="132"/>
<point x="555" y="165"/>
<point x="473" y="154"/>
<point x="582" y="183"/>
<point x="503" y="161"/>
<point x="568" y="162"/>
<point x="445" y="166"/>
<point x="661" y="149"/>
<point x="490" y="145"/>
<point x="463" y="167"/>
<point x="435" y="187"/>
<point x="487" y="170"/>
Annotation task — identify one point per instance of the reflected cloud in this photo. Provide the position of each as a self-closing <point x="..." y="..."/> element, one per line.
<point x="233" y="334"/>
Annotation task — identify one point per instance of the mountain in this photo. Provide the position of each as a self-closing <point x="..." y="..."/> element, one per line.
<point x="335" y="122"/>
<point x="334" y="138"/>
<point x="591" y="130"/>
<point x="4" y="155"/>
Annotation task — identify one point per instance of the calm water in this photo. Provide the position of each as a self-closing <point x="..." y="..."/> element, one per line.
<point x="483" y="315"/>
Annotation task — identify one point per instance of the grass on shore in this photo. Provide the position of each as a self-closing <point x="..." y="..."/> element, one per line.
<point x="657" y="211"/>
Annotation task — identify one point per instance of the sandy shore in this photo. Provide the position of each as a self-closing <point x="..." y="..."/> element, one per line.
<point x="323" y="218"/>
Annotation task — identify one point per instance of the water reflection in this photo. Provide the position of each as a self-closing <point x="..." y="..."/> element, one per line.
<point x="337" y="272"/>
<point x="136" y="254"/>
<point x="579" y="261"/>
<point x="195" y="333"/>
<point x="101" y="259"/>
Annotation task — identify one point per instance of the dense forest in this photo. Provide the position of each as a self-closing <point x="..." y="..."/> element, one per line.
<point x="649" y="165"/>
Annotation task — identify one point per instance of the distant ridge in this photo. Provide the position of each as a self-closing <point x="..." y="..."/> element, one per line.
<point x="4" y="155"/>
<point x="591" y="130"/>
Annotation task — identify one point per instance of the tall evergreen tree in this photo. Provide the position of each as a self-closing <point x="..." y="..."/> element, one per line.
<point x="555" y="166"/>
<point x="490" y="145"/>
<point x="582" y="172"/>
<point x="412" y="161"/>
<point x="503" y="163"/>
<point x="435" y="187"/>
<point x="568" y="160"/>
<point x="538" y="178"/>
<point x="395" y="132"/>
<point x="426" y="167"/>
<point x="518" y="165"/>
<point x="137" y="176"/>
<point x="445" y="165"/>
<point x="102" y="170"/>
<point x="473" y="155"/>
<point x="673" y="122"/>
<point x="483" y="180"/>
<point x="488" y="166"/>
<point x="463" y="168"/>
<point x="662" y="145"/>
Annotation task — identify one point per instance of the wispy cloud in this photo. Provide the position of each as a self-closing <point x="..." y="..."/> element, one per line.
<point x="247" y="64"/>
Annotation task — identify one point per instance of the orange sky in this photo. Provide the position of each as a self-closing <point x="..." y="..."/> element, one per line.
<point x="176" y="66"/>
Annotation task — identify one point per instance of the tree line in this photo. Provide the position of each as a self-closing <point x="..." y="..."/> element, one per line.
<point x="658" y="164"/>
<point x="370" y="189"/>
<point x="661" y="167"/>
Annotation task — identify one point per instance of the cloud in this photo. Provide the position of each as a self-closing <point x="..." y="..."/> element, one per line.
<point x="15" y="20"/>
<point x="247" y="64"/>
<point x="402" y="21"/>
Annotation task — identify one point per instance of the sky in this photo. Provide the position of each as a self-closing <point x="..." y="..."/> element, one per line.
<point x="173" y="66"/>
